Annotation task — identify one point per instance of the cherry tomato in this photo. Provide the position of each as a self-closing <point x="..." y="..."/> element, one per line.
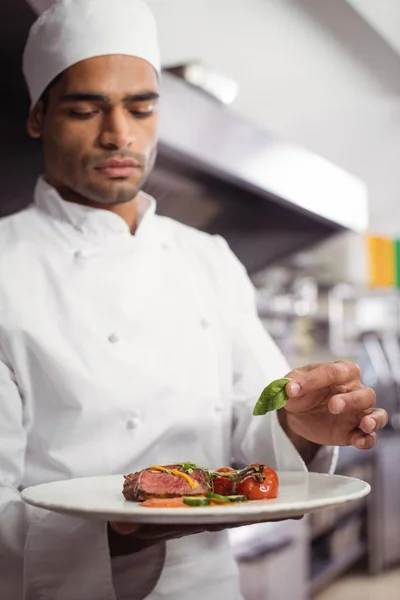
<point x="256" y="490"/>
<point x="223" y="485"/>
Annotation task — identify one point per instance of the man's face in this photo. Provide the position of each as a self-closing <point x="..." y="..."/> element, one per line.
<point x="99" y="131"/>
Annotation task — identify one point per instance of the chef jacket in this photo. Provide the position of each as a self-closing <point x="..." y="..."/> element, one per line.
<point x="119" y="351"/>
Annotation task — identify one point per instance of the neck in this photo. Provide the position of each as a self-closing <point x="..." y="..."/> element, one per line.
<point x="128" y="211"/>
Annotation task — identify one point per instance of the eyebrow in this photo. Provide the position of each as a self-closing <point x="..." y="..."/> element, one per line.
<point x="92" y="97"/>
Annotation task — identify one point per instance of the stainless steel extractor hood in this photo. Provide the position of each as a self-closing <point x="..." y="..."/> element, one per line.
<point x="215" y="171"/>
<point x="268" y="197"/>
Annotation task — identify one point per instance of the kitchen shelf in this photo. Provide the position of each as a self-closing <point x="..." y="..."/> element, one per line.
<point x="345" y="517"/>
<point x="326" y="570"/>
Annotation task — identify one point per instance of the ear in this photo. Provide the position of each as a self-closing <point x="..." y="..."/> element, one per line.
<point x="35" y="121"/>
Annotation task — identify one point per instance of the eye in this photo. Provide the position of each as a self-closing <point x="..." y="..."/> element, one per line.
<point x="141" y="114"/>
<point x="143" y="111"/>
<point x="76" y="114"/>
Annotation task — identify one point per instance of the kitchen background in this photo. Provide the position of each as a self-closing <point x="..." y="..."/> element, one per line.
<point x="280" y="130"/>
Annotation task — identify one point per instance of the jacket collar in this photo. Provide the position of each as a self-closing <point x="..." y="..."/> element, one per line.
<point x="91" y="221"/>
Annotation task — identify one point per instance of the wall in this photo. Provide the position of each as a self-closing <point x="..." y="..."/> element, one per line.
<point x="312" y="71"/>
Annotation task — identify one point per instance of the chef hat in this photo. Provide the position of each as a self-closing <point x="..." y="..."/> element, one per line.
<point x="74" y="30"/>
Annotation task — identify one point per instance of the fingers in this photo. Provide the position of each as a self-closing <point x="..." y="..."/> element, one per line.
<point x="320" y="377"/>
<point x="155" y="532"/>
<point x="306" y="368"/>
<point x="375" y="421"/>
<point x="365" y="436"/>
<point x="165" y="532"/>
<point x="216" y="528"/>
<point x="357" y="402"/>
<point x="363" y="441"/>
<point x="125" y="528"/>
<point x="158" y="533"/>
<point x="354" y="401"/>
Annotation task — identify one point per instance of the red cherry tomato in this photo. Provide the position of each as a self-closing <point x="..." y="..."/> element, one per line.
<point x="223" y="485"/>
<point x="256" y="490"/>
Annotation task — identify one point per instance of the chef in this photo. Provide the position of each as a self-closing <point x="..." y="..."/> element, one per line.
<point x="128" y="339"/>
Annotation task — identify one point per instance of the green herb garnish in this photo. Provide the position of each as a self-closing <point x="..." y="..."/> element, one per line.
<point x="189" y="467"/>
<point x="273" y="397"/>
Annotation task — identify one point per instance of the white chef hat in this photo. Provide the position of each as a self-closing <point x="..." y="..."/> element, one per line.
<point x="74" y="30"/>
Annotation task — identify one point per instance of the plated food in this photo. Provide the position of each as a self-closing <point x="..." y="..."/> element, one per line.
<point x="200" y="495"/>
<point x="187" y="484"/>
<point x="100" y="498"/>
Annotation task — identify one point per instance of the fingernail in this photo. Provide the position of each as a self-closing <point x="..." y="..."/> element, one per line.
<point x="370" y="426"/>
<point x="361" y="443"/>
<point x="294" y="388"/>
<point x="339" y="405"/>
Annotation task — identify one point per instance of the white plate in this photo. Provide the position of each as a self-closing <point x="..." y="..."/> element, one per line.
<point x="101" y="498"/>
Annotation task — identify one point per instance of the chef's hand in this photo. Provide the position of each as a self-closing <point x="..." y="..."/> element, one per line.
<point x="128" y="538"/>
<point x="328" y="405"/>
<point x="147" y="535"/>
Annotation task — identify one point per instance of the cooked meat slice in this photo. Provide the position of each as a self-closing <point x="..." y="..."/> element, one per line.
<point x="152" y="483"/>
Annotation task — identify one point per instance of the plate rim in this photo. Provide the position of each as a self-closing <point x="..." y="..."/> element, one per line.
<point x="186" y="516"/>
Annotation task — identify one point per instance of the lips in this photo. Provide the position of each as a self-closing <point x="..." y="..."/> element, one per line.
<point x="115" y="163"/>
<point x="117" y="168"/>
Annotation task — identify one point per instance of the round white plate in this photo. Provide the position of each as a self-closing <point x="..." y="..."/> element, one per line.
<point x="101" y="498"/>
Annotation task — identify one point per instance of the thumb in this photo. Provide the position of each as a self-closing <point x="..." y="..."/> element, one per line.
<point x="125" y="528"/>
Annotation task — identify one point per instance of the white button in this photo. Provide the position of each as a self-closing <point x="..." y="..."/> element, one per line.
<point x="79" y="254"/>
<point x="113" y="338"/>
<point x="165" y="246"/>
<point x="219" y="408"/>
<point x="133" y="423"/>
<point x="204" y="323"/>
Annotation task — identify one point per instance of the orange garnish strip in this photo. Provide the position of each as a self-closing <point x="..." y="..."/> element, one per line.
<point x="193" y="484"/>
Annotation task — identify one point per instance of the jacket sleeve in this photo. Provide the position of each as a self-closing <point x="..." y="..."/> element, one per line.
<point x="43" y="555"/>
<point x="256" y="362"/>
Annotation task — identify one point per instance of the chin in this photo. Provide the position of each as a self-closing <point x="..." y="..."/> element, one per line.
<point x="115" y="191"/>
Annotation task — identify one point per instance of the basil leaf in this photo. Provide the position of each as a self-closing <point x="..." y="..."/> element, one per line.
<point x="273" y="397"/>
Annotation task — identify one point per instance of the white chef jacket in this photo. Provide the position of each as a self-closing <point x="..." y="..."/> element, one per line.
<point x="119" y="351"/>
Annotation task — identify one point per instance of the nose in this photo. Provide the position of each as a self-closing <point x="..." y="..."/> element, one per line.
<point x="117" y="131"/>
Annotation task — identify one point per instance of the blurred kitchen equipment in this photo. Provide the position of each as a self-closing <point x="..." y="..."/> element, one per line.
<point x="391" y="348"/>
<point x="264" y="552"/>
<point x="377" y="372"/>
<point x="216" y="85"/>
<point x="282" y="295"/>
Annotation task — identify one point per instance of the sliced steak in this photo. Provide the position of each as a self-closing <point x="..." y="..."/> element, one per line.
<point x="150" y="483"/>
